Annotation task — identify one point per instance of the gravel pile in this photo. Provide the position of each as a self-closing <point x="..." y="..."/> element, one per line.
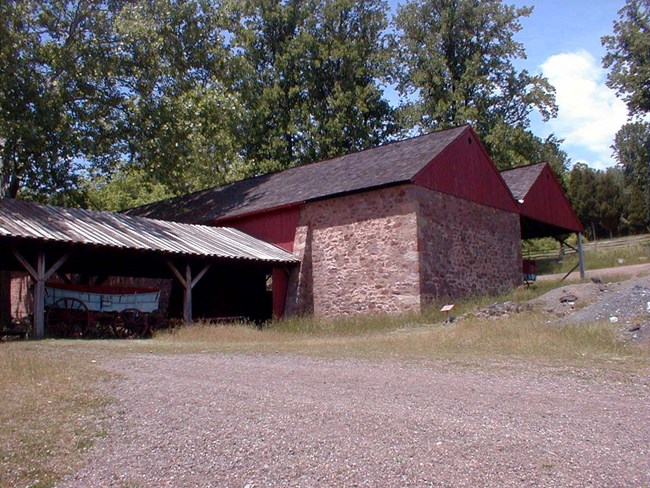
<point x="626" y="301"/>
<point x="264" y="421"/>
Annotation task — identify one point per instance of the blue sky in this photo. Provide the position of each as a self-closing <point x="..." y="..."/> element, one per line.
<point x="562" y="41"/>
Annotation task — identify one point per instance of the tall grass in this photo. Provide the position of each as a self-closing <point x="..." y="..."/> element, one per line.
<point x="48" y="412"/>
<point x="527" y="335"/>
<point x="602" y="258"/>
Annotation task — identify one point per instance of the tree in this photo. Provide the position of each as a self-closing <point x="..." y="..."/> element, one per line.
<point x="610" y="199"/>
<point x="57" y="96"/>
<point x="582" y="195"/>
<point x="456" y="66"/>
<point x="124" y="190"/>
<point x="310" y="78"/>
<point x="632" y="152"/>
<point x="180" y="120"/>
<point x="628" y="56"/>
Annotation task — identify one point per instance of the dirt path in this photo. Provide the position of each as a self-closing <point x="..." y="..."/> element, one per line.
<point x="259" y="421"/>
<point x="630" y="271"/>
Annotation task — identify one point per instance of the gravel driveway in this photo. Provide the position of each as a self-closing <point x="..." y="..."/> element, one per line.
<point x="256" y="421"/>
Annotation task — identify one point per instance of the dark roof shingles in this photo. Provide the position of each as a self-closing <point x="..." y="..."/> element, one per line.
<point x="521" y="179"/>
<point x="392" y="163"/>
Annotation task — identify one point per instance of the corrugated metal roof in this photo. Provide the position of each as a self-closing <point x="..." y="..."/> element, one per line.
<point x="390" y="164"/>
<point x="22" y="219"/>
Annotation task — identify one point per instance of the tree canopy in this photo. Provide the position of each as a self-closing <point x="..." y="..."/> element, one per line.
<point x="163" y="97"/>
<point x="456" y="66"/>
<point x="628" y="56"/>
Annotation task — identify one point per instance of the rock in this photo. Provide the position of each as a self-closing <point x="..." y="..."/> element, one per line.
<point x="613" y="319"/>
<point x="597" y="280"/>
<point x="568" y="298"/>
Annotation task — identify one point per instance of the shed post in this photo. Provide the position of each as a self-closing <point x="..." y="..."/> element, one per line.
<point x="39" y="275"/>
<point x="39" y="297"/>
<point x="188" y="283"/>
<point x="581" y="259"/>
<point x="187" y="299"/>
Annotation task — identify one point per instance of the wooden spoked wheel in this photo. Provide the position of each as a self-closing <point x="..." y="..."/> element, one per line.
<point x="67" y="317"/>
<point x="130" y="322"/>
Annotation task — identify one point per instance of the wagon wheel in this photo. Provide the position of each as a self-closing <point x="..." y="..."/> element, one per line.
<point x="68" y="317"/>
<point x="156" y="320"/>
<point x="130" y="322"/>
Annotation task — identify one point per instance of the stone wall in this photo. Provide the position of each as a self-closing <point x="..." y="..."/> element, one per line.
<point x="22" y="300"/>
<point x="397" y="249"/>
<point x="359" y="255"/>
<point x="465" y="248"/>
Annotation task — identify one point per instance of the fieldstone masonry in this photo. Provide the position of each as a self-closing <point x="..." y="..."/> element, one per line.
<point x="465" y="248"/>
<point x="397" y="249"/>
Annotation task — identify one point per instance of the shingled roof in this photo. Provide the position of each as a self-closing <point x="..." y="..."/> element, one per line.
<point x="521" y="179"/>
<point x="390" y="164"/>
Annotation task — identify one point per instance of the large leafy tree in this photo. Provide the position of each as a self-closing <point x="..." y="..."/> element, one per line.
<point x="181" y="121"/>
<point x="457" y="66"/>
<point x="628" y="55"/>
<point x="310" y="78"/>
<point x="582" y="194"/>
<point x="628" y="58"/>
<point x="632" y="153"/>
<point x="58" y="99"/>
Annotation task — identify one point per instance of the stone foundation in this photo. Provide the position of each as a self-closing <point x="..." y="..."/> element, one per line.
<point x="466" y="249"/>
<point x="398" y="249"/>
<point x="358" y="255"/>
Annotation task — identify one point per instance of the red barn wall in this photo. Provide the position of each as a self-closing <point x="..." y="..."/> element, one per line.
<point x="465" y="170"/>
<point x="547" y="203"/>
<point x="276" y="226"/>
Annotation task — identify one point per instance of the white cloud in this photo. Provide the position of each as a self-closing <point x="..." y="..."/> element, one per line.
<point x="589" y="114"/>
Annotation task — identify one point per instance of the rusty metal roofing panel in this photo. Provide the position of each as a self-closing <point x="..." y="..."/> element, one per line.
<point x="22" y="219"/>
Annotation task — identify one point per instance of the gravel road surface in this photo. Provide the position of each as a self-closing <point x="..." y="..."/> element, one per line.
<point x="201" y="420"/>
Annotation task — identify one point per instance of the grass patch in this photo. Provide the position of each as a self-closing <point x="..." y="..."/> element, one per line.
<point x="48" y="411"/>
<point x="596" y="259"/>
<point x="522" y="337"/>
<point x="525" y="336"/>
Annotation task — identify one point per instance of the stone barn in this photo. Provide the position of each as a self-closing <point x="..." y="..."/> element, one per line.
<point x="386" y="230"/>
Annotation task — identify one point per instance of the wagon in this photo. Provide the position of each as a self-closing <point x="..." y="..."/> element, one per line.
<point x="99" y="311"/>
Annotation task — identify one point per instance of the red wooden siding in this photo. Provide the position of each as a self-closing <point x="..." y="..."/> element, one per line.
<point x="546" y="202"/>
<point x="277" y="226"/>
<point x="465" y="170"/>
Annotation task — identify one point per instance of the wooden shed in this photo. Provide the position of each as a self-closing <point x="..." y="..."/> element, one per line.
<point x="46" y="240"/>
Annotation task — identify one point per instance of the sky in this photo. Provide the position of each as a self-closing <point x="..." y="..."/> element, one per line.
<point x="562" y="42"/>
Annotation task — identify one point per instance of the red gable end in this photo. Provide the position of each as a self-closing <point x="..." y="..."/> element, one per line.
<point x="465" y="170"/>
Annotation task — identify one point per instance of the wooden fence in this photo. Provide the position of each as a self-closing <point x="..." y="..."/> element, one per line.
<point x="593" y="246"/>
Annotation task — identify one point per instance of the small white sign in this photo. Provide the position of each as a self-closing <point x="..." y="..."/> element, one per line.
<point x="447" y="308"/>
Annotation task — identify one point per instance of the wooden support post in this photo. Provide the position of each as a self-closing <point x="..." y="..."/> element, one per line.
<point x="188" y="283"/>
<point x="39" y="275"/>
<point x="581" y="259"/>
<point x="187" y="300"/>
<point x="39" y="297"/>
